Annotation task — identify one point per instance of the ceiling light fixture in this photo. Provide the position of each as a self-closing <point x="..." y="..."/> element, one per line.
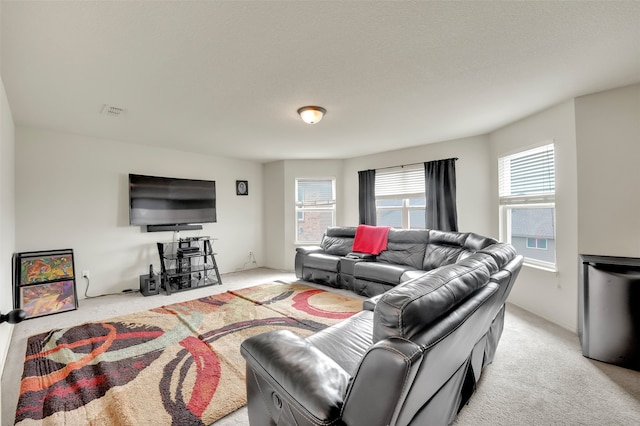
<point x="112" y="111"/>
<point x="311" y="114"/>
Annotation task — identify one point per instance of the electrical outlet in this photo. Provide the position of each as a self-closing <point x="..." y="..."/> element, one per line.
<point x="85" y="274"/>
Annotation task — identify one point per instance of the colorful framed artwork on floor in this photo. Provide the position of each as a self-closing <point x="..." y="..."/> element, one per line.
<point x="44" y="282"/>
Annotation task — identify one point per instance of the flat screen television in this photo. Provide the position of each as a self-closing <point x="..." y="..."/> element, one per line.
<point x="157" y="200"/>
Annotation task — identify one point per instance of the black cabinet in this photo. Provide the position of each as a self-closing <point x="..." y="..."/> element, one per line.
<point x="187" y="263"/>
<point x="609" y="309"/>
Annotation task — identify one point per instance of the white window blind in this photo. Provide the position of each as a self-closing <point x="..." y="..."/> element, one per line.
<point x="315" y="192"/>
<point x="527" y="175"/>
<point x="400" y="199"/>
<point x="400" y="181"/>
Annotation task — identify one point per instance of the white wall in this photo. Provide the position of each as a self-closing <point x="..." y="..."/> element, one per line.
<point x="274" y="215"/>
<point x="280" y="177"/>
<point x="552" y="295"/>
<point x="608" y="135"/>
<point x="473" y="179"/>
<point x="7" y="218"/>
<point x="72" y="192"/>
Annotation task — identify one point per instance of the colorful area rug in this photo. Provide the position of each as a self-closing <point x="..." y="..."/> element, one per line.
<point x="179" y="364"/>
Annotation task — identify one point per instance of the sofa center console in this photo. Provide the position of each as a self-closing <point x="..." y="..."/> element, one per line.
<point x="348" y="264"/>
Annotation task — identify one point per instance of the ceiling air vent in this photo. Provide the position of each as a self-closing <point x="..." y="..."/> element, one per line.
<point x="112" y="111"/>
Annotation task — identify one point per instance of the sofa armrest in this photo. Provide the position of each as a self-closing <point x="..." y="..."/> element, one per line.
<point x="307" y="378"/>
<point x="308" y="249"/>
<point x="370" y="304"/>
<point x="382" y="381"/>
<point x="301" y="255"/>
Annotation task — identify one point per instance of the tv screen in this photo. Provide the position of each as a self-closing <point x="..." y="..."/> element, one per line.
<point x="170" y="201"/>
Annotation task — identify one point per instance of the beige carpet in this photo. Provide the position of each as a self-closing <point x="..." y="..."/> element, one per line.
<point x="539" y="376"/>
<point x="183" y="357"/>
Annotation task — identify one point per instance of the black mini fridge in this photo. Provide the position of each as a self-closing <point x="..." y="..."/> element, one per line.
<point x="609" y="309"/>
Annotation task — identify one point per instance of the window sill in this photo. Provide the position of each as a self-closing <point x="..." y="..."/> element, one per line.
<point x="552" y="268"/>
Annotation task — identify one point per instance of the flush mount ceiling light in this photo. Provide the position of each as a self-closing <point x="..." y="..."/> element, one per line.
<point x="311" y="114"/>
<point x="112" y="111"/>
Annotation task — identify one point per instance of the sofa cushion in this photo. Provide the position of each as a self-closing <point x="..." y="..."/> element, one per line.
<point x="476" y="259"/>
<point x="411" y="236"/>
<point x="324" y="262"/>
<point x="341" y="231"/>
<point x="338" y="240"/>
<point x="405" y="247"/>
<point x="368" y="288"/>
<point x="501" y="253"/>
<point x="403" y="254"/>
<point x="437" y="255"/>
<point x="380" y="272"/>
<point x="347" y="341"/>
<point x="410" y="307"/>
<point x="477" y="242"/>
<point x="446" y="248"/>
<point x="339" y="246"/>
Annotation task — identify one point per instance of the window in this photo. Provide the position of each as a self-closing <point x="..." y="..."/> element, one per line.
<point x="400" y="198"/>
<point x="527" y="204"/>
<point x="537" y="243"/>
<point x="315" y="208"/>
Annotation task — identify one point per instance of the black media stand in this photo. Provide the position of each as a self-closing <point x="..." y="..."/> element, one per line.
<point x="188" y="263"/>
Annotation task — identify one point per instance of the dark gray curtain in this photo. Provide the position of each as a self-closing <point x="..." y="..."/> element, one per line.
<point x="367" y="196"/>
<point x="440" y="190"/>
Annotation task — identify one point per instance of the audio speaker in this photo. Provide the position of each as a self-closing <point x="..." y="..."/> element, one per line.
<point x="183" y="227"/>
<point x="149" y="285"/>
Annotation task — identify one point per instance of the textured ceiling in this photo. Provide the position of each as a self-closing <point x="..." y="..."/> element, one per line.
<point x="226" y="78"/>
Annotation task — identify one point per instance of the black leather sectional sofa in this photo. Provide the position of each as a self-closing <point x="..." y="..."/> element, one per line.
<point x="412" y="356"/>
<point x="409" y="254"/>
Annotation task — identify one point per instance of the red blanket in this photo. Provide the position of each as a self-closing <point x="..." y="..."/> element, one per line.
<point x="371" y="239"/>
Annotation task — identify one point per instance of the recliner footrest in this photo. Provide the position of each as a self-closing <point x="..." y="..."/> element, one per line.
<point x="308" y="380"/>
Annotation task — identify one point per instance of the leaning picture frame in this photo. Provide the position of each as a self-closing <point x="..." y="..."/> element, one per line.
<point x="48" y="298"/>
<point x="39" y="267"/>
<point x="44" y="282"/>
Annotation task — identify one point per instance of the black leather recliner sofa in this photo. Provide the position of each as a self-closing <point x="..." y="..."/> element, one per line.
<point x="409" y="253"/>
<point x="412" y="356"/>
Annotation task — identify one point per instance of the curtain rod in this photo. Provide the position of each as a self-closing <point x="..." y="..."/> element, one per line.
<point x="413" y="164"/>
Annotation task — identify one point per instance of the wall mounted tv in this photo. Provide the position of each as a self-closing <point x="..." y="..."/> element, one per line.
<point x="171" y="204"/>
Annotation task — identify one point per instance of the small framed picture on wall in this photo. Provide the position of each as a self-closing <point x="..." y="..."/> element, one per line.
<point x="242" y="187"/>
